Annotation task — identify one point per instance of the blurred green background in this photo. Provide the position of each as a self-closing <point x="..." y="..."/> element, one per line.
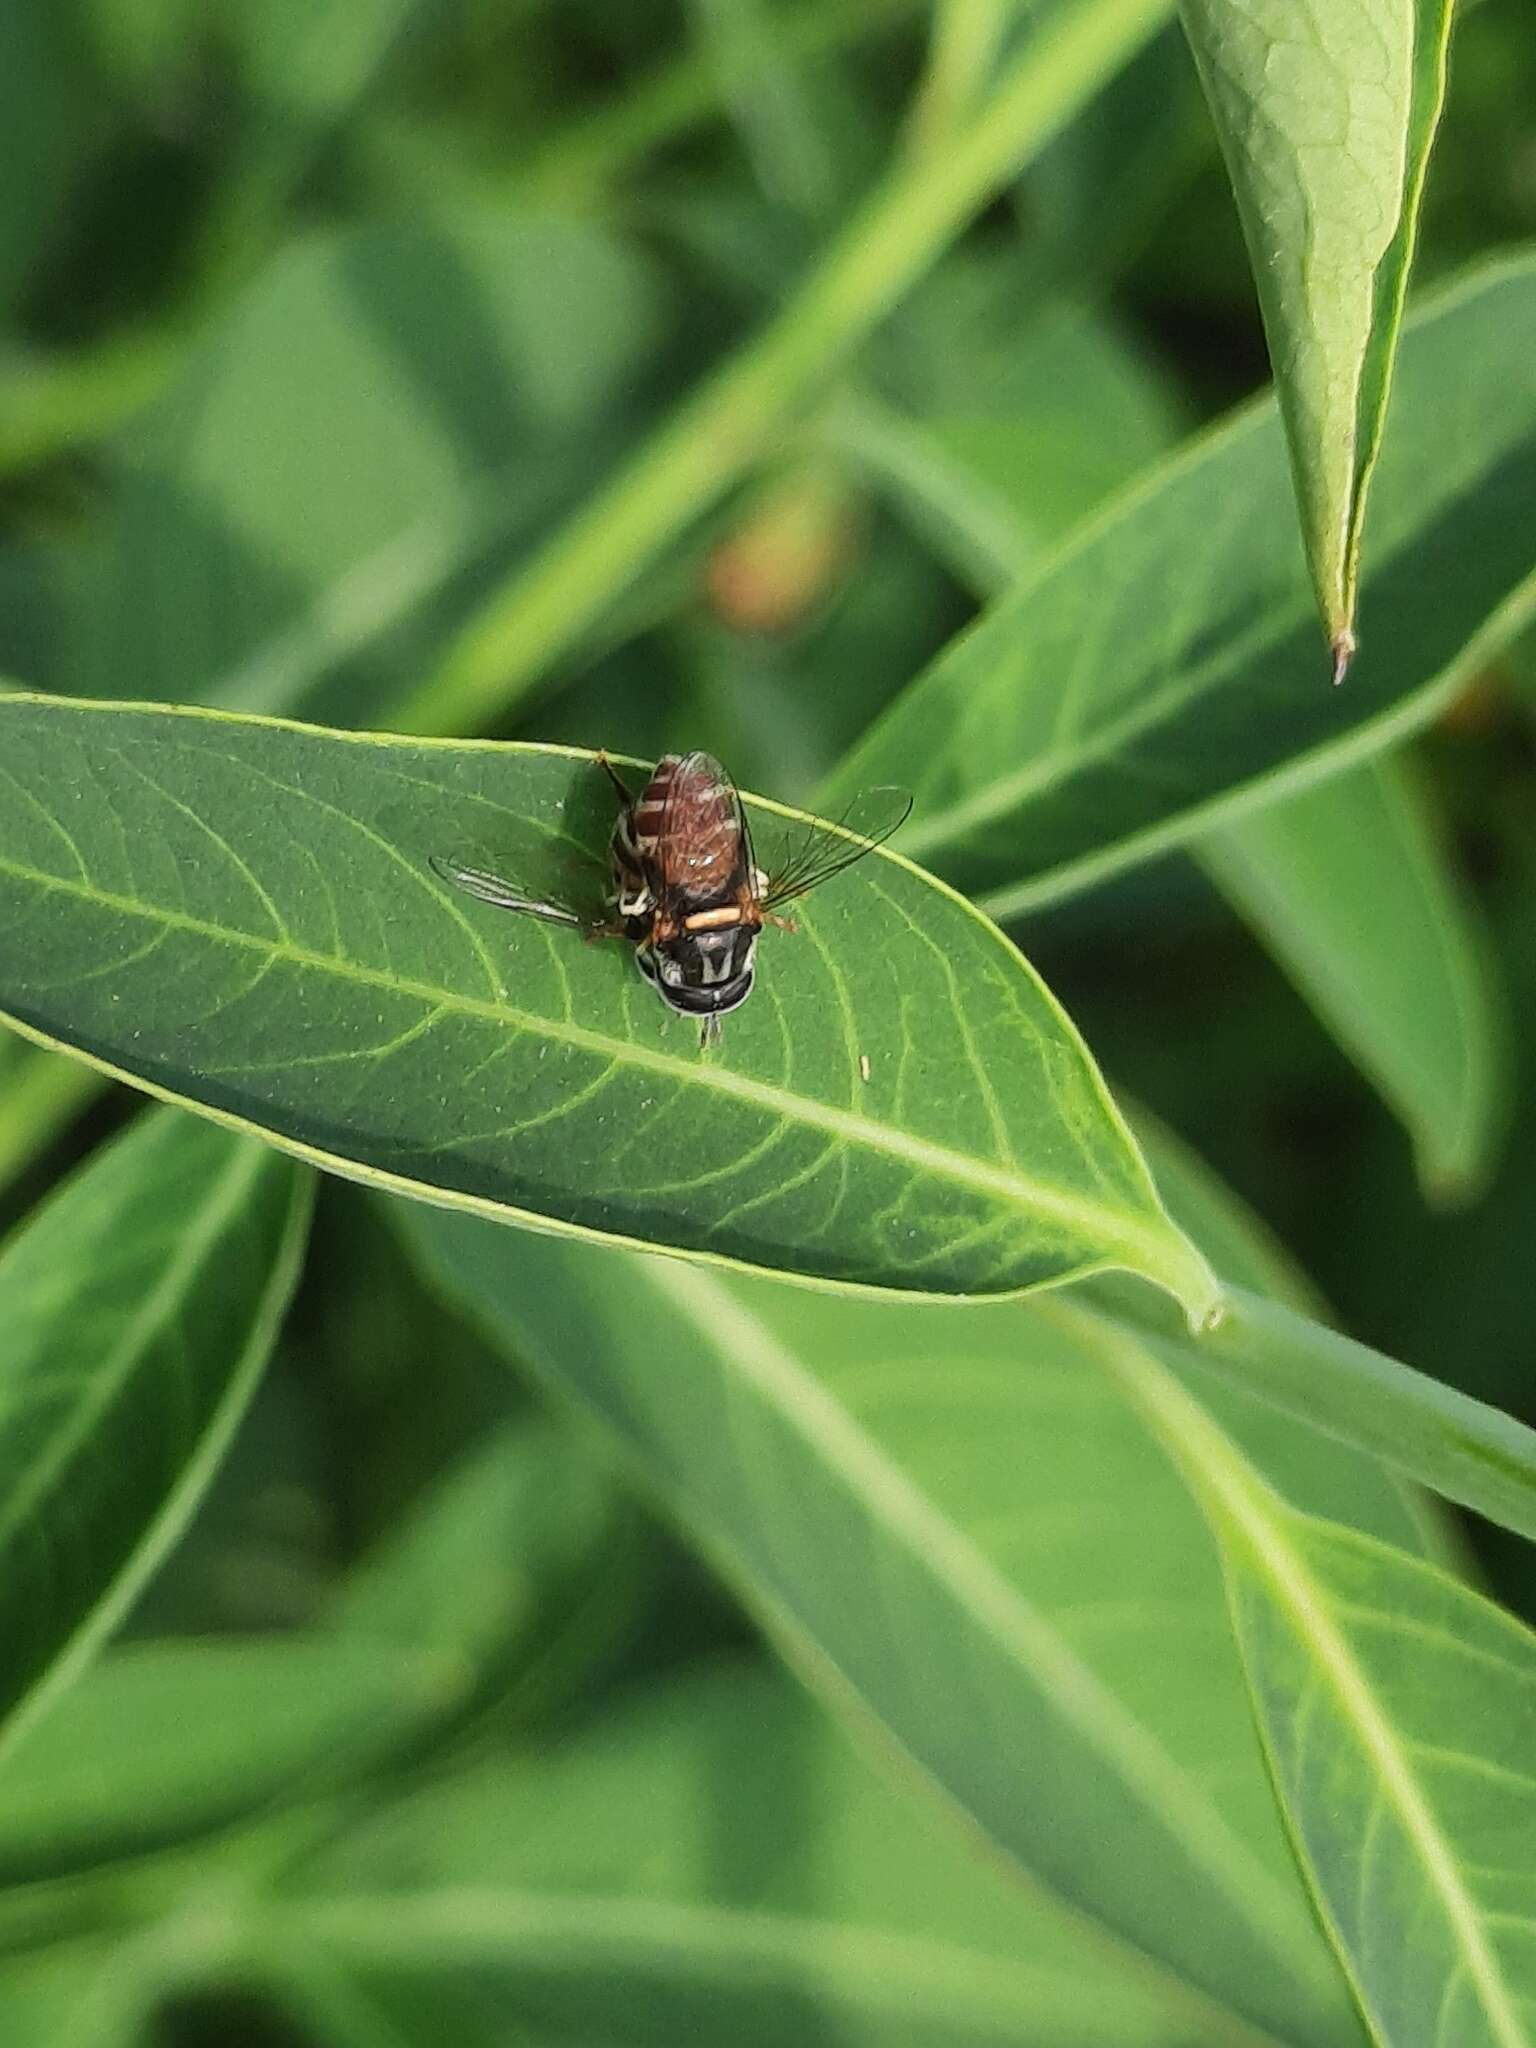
<point x="423" y="271"/>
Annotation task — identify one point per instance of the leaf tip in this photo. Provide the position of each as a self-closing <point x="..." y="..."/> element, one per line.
<point x="1207" y="1317"/>
<point x="1342" y="646"/>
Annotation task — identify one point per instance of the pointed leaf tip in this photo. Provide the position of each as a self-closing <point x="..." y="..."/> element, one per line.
<point x="1326" y="116"/>
<point x="1342" y="647"/>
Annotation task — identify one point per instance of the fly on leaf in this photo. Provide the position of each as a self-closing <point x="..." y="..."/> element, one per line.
<point x="685" y="887"/>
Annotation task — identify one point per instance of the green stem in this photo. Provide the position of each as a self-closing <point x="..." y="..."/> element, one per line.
<point x="737" y="414"/>
<point x="1456" y="1446"/>
<point x="967" y="37"/>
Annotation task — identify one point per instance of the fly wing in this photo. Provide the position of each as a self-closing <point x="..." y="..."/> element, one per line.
<point x="489" y="888"/>
<point x="826" y="848"/>
<point x="702" y="849"/>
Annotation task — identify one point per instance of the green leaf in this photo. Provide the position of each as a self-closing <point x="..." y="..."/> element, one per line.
<point x="1326" y="117"/>
<point x="1433" y="1433"/>
<point x="1343" y="882"/>
<point x="1151" y="678"/>
<point x="138" y="1306"/>
<point x="953" y="1527"/>
<point x="242" y="916"/>
<point x="709" y="1861"/>
<point x="163" y="1742"/>
<point x="1346" y="884"/>
<point x="91" y="1994"/>
<point x="1350" y="1476"/>
<point x="524" y="1567"/>
<point x="788" y="136"/>
<point x="40" y="1094"/>
<point x="1399" y="1715"/>
<point x="49" y="120"/>
<point x="1053" y="416"/>
<point x="508" y="1526"/>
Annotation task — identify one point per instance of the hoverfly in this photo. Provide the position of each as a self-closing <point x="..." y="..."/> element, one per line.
<point x="685" y="888"/>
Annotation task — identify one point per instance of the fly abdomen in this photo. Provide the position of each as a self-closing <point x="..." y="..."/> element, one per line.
<point x="641" y="826"/>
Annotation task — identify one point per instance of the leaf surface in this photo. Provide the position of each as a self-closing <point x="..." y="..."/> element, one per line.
<point x="957" y="1530"/>
<point x="1399" y="1714"/>
<point x="161" y="1742"/>
<point x="1344" y="882"/>
<point x="1326" y="115"/>
<point x="706" y="1858"/>
<point x="243" y="916"/>
<point x="138" y="1305"/>
<point x="1156" y="674"/>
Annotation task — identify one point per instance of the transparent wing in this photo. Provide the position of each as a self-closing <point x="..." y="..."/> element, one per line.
<point x="505" y="895"/>
<point x="703" y="825"/>
<point x="825" y="849"/>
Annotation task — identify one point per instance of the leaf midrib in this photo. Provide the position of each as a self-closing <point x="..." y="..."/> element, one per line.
<point x="1309" y="1609"/>
<point x="1114" y="1231"/>
<point x="707" y="1942"/>
<point x="923" y="1532"/>
<point x="937" y="831"/>
<point x="1242" y="1501"/>
<point x="221" y="1203"/>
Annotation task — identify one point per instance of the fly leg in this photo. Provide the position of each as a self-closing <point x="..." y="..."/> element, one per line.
<point x="626" y="797"/>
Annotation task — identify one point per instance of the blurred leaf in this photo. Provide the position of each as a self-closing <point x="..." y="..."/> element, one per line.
<point x="591" y="159"/>
<point x="522" y="1568"/>
<point x="138" y="1306"/>
<point x="1326" y="118"/>
<point x="1104" y="187"/>
<point x="465" y="1570"/>
<point x="787" y="135"/>
<point x="708" y="1861"/>
<point x="373" y="421"/>
<point x="299" y="71"/>
<point x="40" y="1094"/>
<point x="998" y="463"/>
<point x="391" y="1432"/>
<point x="305" y="65"/>
<point x="952" y="1525"/>
<point x="299" y="75"/>
<point x="81" y="1994"/>
<point x="46" y="119"/>
<point x="1347" y="885"/>
<point x="1344" y="882"/>
<point x="164" y="1742"/>
<point x="1399" y="1716"/>
<point x="1153" y="675"/>
<point x="291" y="964"/>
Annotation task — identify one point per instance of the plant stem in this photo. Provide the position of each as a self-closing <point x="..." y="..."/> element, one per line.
<point x="735" y="417"/>
<point x="966" y="38"/>
<point x="1458" y="1447"/>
